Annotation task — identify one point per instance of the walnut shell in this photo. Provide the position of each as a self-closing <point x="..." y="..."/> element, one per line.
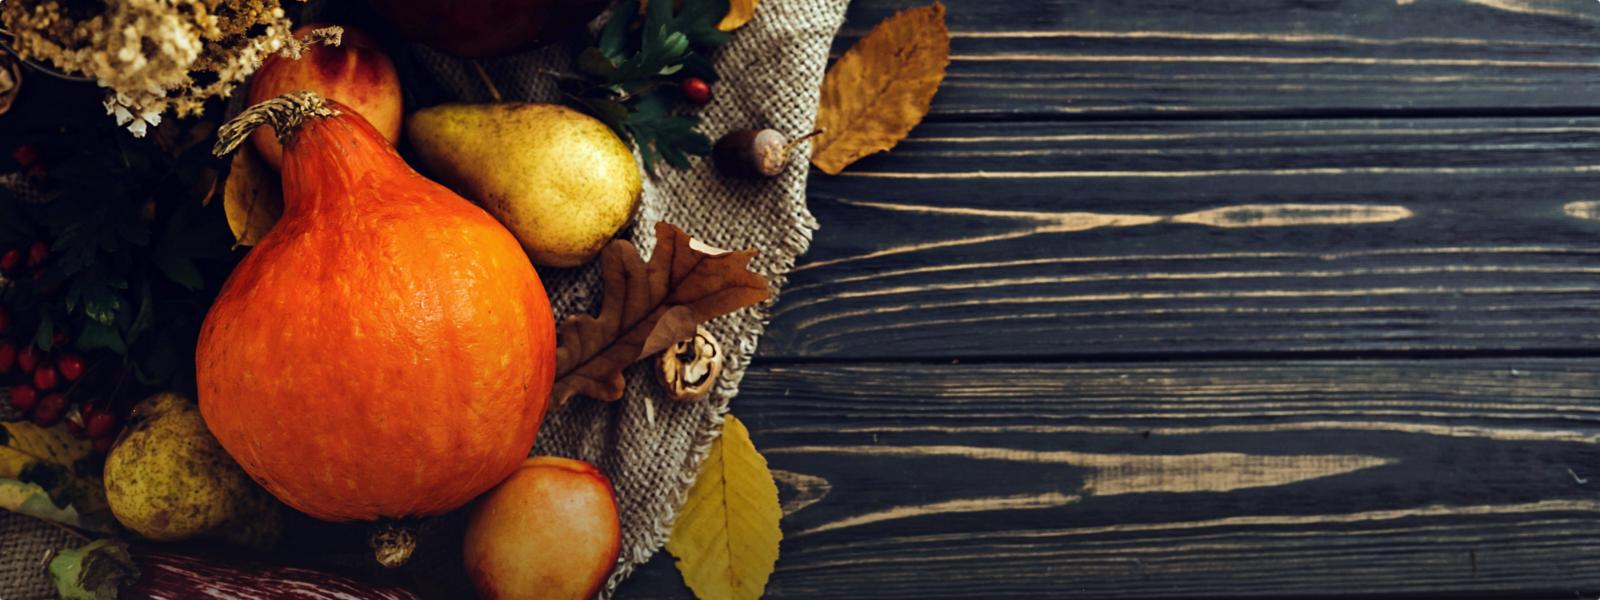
<point x="689" y="369"/>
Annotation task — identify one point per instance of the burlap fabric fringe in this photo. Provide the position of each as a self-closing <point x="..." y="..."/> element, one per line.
<point x="771" y="73"/>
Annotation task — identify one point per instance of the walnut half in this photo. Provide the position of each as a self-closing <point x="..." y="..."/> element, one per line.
<point x="689" y="369"/>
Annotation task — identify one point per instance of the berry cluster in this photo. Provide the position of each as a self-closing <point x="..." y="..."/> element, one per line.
<point x="40" y="381"/>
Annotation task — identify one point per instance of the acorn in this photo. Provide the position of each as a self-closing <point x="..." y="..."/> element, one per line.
<point x="753" y="153"/>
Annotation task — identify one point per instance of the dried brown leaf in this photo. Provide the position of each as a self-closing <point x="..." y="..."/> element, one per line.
<point x="252" y="197"/>
<point x="739" y="13"/>
<point x="646" y="307"/>
<point x="881" y="88"/>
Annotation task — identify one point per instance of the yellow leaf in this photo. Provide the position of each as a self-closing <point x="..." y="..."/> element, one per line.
<point x="739" y="13"/>
<point x="42" y="474"/>
<point x="32" y="500"/>
<point x="22" y="444"/>
<point x="252" y="198"/>
<point x="726" y="538"/>
<point x="881" y="87"/>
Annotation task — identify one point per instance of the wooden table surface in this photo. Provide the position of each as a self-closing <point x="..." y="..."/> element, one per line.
<point x="1219" y="299"/>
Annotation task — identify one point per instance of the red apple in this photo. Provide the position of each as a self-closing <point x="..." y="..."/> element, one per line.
<point x="485" y="28"/>
<point x="356" y="73"/>
<point x="549" y="531"/>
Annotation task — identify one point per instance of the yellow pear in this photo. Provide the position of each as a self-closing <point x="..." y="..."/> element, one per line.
<point x="560" y="180"/>
<point x="168" y="479"/>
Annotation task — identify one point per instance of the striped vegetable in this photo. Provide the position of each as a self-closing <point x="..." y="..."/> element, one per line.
<point x="109" y="569"/>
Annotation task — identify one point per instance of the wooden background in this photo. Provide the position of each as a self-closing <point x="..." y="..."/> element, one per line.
<point x="1177" y="298"/>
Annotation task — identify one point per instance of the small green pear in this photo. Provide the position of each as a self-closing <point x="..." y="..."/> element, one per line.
<point x="560" y="180"/>
<point x="168" y="479"/>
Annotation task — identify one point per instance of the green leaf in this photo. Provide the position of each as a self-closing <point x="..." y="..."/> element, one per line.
<point x="142" y="319"/>
<point x="102" y="305"/>
<point x="45" y="336"/>
<point x="181" y="271"/>
<point x="610" y="112"/>
<point x="613" y="38"/>
<point x="669" y="37"/>
<point x="96" y="571"/>
<point x="594" y="62"/>
<point x="97" y="335"/>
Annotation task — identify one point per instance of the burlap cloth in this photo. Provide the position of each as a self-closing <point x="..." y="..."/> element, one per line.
<point x="771" y="73"/>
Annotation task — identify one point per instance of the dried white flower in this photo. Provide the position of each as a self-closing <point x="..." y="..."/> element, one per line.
<point x="153" y="56"/>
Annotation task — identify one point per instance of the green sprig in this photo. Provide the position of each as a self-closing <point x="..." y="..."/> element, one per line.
<point x="134" y="256"/>
<point x="635" y="56"/>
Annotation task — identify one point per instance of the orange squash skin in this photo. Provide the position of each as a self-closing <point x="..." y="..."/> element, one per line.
<point x="386" y="350"/>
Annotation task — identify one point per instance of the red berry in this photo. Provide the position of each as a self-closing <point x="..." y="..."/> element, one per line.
<point x="23" y="397"/>
<point x="5" y="321"/>
<point x="70" y="365"/>
<point x="25" y="154"/>
<point x="44" y="377"/>
<point x="10" y="260"/>
<point x="697" y="90"/>
<point x="76" y="429"/>
<point x="100" y="424"/>
<point x="103" y="445"/>
<point x="8" y="357"/>
<point x="50" y="410"/>
<point x="37" y="253"/>
<point x="28" y="358"/>
<point x="58" y="339"/>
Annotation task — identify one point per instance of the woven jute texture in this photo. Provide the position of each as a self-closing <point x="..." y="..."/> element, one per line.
<point x="771" y="73"/>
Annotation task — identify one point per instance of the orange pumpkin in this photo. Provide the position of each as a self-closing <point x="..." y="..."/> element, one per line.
<point x="387" y="349"/>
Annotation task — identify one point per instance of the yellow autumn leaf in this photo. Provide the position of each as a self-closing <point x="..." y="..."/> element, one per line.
<point x="881" y="88"/>
<point x="252" y="197"/>
<point x="739" y="13"/>
<point x="726" y="538"/>
<point x="42" y="474"/>
<point x="22" y="444"/>
<point x="32" y="500"/>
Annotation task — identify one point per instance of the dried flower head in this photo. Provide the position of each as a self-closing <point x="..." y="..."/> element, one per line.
<point x="153" y="56"/>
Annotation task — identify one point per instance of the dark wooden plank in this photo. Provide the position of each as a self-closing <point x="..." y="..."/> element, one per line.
<point x="1088" y="239"/>
<point x="1066" y="58"/>
<point x="1283" y="479"/>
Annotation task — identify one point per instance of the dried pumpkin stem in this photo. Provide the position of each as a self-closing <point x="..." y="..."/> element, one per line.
<point x="285" y="114"/>
<point x="392" y="545"/>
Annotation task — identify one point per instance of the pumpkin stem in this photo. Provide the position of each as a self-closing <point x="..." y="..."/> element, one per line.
<point x="285" y="114"/>
<point x="392" y="545"/>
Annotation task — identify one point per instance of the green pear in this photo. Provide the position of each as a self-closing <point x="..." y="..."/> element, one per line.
<point x="560" y="180"/>
<point x="167" y="479"/>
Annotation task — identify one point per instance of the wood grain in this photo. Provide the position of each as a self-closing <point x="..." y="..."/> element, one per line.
<point x="1219" y="479"/>
<point x="1160" y="238"/>
<point x="1154" y="58"/>
<point x="1072" y="338"/>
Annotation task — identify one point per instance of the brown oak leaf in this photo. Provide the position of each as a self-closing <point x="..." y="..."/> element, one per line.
<point x="646" y="307"/>
<point x="881" y="88"/>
